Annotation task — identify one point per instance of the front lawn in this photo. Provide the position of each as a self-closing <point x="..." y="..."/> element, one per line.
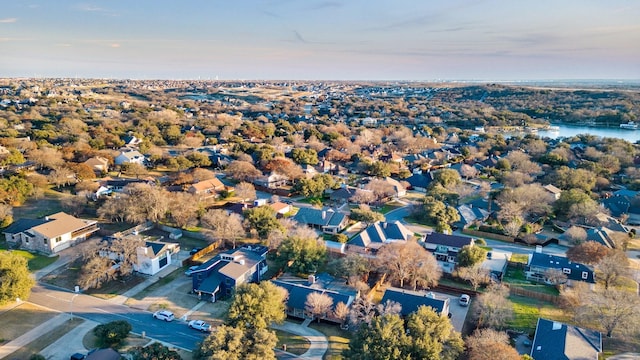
<point x="21" y="319"/>
<point x="296" y="344"/>
<point x="390" y="206"/>
<point x="519" y="258"/>
<point x="338" y="339"/>
<point x="34" y="261"/>
<point x="40" y="343"/>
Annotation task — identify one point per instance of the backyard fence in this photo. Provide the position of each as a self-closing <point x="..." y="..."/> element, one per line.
<point x="518" y="291"/>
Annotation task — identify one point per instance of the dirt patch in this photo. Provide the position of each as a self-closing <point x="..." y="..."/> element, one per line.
<point x="21" y="319"/>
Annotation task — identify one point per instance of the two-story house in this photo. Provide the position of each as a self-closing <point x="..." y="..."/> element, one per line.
<point x="219" y="276"/>
<point x="445" y="248"/>
<point x="50" y="234"/>
<point x="539" y="264"/>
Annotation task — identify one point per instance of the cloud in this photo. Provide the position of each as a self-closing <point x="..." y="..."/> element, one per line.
<point x="299" y="37"/>
<point x="95" y="9"/>
<point x="115" y="45"/>
<point x="8" y="20"/>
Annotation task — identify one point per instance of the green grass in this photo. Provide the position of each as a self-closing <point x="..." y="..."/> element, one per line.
<point x="390" y="206"/>
<point x="338" y="339"/>
<point x="517" y="278"/>
<point x="519" y="258"/>
<point x="526" y="312"/>
<point x="296" y="344"/>
<point x="34" y="261"/>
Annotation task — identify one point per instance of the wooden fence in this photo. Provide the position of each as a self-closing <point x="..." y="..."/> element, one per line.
<point x="518" y="291"/>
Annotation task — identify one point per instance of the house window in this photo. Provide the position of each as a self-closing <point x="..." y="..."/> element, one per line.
<point x="228" y="281"/>
<point x="585" y="275"/>
<point x="45" y="241"/>
<point x="566" y="271"/>
<point x="58" y="239"/>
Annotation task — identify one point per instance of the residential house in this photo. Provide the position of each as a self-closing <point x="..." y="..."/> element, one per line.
<point x="624" y="203"/>
<point x="555" y="340"/>
<point x="155" y="256"/>
<point x="272" y="181"/>
<point x="377" y="235"/>
<point x="446" y="247"/>
<point x="299" y="290"/>
<point x="206" y="189"/>
<point x="554" y="191"/>
<point x="399" y="189"/>
<point x="412" y="300"/>
<point x="420" y="182"/>
<point x="309" y="171"/>
<point x="51" y="234"/>
<point x="329" y="220"/>
<point x="540" y="263"/>
<point x="132" y="140"/>
<point x="470" y="215"/>
<point x="129" y="156"/>
<point x="219" y="276"/>
<point x="281" y="208"/>
<point x="109" y="185"/>
<point x="343" y="195"/>
<point x="98" y="164"/>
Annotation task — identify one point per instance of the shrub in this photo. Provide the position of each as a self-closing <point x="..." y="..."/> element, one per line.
<point x="112" y="334"/>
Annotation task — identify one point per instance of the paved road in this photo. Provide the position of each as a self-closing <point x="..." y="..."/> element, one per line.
<point x="102" y="311"/>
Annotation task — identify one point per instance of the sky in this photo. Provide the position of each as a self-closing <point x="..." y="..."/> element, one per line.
<point x="421" y="40"/>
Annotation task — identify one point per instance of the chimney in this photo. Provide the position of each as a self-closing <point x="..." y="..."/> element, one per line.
<point x="241" y="261"/>
<point x="556" y="326"/>
<point x="539" y="249"/>
<point x="324" y="215"/>
<point x="311" y="279"/>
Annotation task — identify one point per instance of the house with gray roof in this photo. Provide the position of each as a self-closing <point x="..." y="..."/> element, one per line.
<point x="129" y="156"/>
<point x="470" y="215"/>
<point x="377" y="235"/>
<point x="445" y="248"/>
<point x="299" y="290"/>
<point x="412" y="300"/>
<point x="219" y="276"/>
<point x="554" y="340"/>
<point x="328" y="220"/>
<point x="155" y="256"/>
<point x="540" y="263"/>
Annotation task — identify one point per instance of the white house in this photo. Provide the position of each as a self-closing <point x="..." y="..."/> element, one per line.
<point x="155" y="256"/>
<point x="129" y="156"/>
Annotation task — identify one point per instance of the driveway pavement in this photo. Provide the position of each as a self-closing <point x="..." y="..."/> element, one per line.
<point x="319" y="343"/>
<point x="70" y="343"/>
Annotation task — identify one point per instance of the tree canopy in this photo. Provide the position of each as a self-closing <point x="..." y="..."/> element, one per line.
<point x="15" y="279"/>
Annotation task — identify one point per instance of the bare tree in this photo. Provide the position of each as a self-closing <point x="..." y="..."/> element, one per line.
<point x="408" y="262"/>
<point x="589" y="252"/>
<point x="575" y="235"/>
<point x="492" y="308"/>
<point x="200" y="174"/>
<point x="113" y="209"/>
<point x="6" y="215"/>
<point x="363" y="311"/>
<point x="184" y="208"/>
<point x="612" y="267"/>
<point x="95" y="272"/>
<point x="476" y="275"/>
<point x="512" y="228"/>
<point x="318" y="305"/>
<point x="146" y="202"/>
<point x="489" y="344"/>
<point x="380" y="188"/>
<point x="62" y="176"/>
<point x="341" y="311"/>
<point x="555" y="276"/>
<point x="46" y="157"/>
<point x="612" y="310"/>
<point x="363" y="196"/>
<point x="74" y="204"/>
<point x="243" y="171"/>
<point x="245" y="191"/>
<point x="468" y="171"/>
<point x="224" y="226"/>
<point x="126" y="252"/>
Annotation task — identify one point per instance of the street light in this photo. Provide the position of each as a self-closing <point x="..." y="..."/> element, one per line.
<point x="77" y="292"/>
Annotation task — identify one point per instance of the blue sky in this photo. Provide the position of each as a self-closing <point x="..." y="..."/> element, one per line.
<point x="322" y="39"/>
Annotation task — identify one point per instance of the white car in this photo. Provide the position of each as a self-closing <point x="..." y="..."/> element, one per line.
<point x="163" y="315"/>
<point x="199" y="325"/>
<point x="464" y="300"/>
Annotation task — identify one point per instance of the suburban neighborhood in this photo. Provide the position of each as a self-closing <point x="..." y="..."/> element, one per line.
<point x="310" y="220"/>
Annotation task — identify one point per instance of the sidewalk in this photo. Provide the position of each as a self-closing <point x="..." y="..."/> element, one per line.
<point x="70" y="343"/>
<point x="32" y="334"/>
<point x="319" y="343"/>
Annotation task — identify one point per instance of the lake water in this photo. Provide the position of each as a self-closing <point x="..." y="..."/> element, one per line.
<point x="612" y="132"/>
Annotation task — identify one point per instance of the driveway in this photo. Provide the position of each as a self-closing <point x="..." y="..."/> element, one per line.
<point x="318" y="341"/>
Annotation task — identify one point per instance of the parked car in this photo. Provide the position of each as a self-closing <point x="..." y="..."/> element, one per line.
<point x="194" y="251"/>
<point x="163" y="315"/>
<point x="191" y="269"/>
<point x="464" y="300"/>
<point x="77" y="356"/>
<point x="199" y="325"/>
